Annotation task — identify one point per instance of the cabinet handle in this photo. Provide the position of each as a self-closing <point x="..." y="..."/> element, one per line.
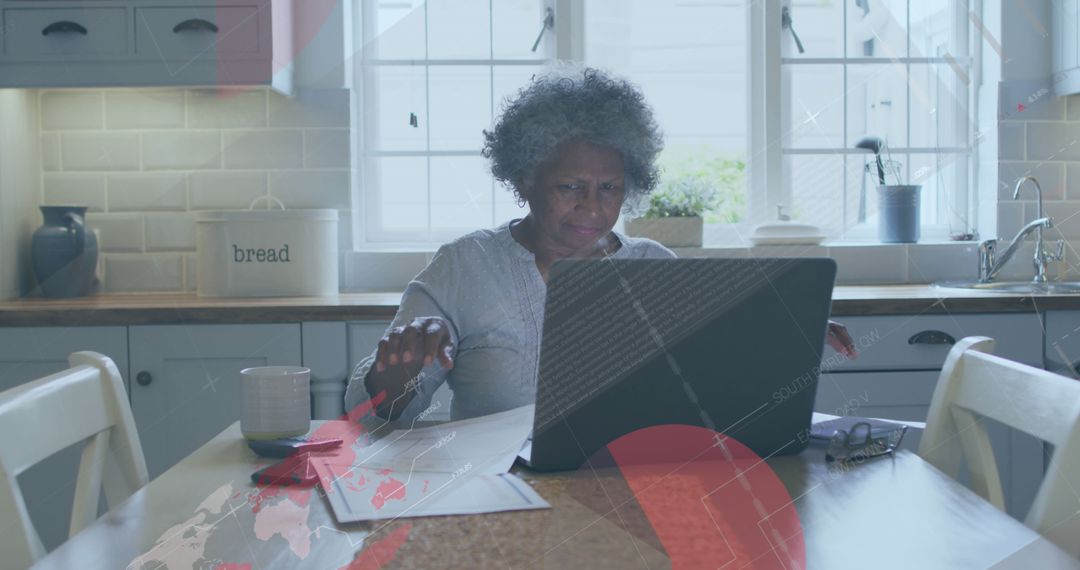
<point x="144" y="378"/>
<point x="931" y="337"/>
<point x="64" y="27"/>
<point x="195" y="25"/>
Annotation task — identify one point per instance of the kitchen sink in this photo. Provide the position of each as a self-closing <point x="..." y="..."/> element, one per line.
<point x="1026" y="287"/>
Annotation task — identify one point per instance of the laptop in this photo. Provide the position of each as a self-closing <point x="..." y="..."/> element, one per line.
<point x="733" y="345"/>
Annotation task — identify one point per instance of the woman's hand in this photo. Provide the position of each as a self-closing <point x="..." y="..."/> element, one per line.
<point x="416" y="345"/>
<point x="837" y="336"/>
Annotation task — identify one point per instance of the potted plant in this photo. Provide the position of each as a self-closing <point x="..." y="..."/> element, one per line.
<point x="674" y="213"/>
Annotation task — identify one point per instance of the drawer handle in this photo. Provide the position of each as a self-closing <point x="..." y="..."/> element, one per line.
<point x="144" y="378"/>
<point x="931" y="337"/>
<point x="64" y="27"/>
<point x="195" y="25"/>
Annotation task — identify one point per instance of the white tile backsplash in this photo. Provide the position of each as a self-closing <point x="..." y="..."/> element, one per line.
<point x="326" y="148"/>
<point x="74" y="189"/>
<point x="311" y="188"/>
<point x="877" y="264"/>
<point x="1072" y="181"/>
<point x="1066" y="216"/>
<point x="170" y="232"/>
<point x="225" y="190"/>
<point x="71" y="110"/>
<point x="313" y="108"/>
<point x="118" y="232"/>
<point x="146" y="160"/>
<point x="100" y="152"/>
<point x="930" y="262"/>
<point x="134" y="273"/>
<point x="1053" y="141"/>
<point x="147" y="192"/>
<point x="264" y="150"/>
<point x="1011" y="137"/>
<point x="180" y="150"/>
<point x="227" y="109"/>
<point x="144" y="109"/>
<point x="1051" y="177"/>
<point x="50" y="152"/>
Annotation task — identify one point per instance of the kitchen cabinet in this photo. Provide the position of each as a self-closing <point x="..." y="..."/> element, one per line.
<point x="1062" y="351"/>
<point x="185" y="385"/>
<point x="897" y="369"/>
<point x="108" y="43"/>
<point x="1065" y="57"/>
<point x="364" y="339"/>
<point x="29" y="353"/>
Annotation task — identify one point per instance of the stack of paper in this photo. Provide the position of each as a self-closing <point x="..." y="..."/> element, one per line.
<point x="454" y="468"/>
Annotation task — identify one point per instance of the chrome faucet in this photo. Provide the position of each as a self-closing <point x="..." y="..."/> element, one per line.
<point x="990" y="263"/>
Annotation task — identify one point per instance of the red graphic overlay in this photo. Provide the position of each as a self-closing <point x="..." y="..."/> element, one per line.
<point x="710" y="501"/>
<point x="381" y="553"/>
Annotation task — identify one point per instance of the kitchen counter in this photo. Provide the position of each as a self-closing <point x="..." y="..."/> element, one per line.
<point x="175" y="308"/>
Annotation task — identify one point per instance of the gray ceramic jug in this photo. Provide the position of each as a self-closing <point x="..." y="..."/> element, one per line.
<point x="64" y="252"/>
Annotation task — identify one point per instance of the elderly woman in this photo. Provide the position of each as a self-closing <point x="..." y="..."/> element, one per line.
<point x="576" y="147"/>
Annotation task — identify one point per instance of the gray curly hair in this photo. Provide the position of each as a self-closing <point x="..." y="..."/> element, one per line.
<point x="573" y="103"/>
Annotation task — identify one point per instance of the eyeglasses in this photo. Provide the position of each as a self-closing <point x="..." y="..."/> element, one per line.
<point x="861" y="443"/>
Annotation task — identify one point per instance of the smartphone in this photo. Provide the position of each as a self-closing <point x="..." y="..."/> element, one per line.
<point x="290" y="446"/>
<point x="293" y="470"/>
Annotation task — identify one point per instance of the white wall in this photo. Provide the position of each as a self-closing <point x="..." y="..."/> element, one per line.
<point x="20" y="188"/>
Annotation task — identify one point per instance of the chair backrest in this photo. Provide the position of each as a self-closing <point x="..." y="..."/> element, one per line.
<point x="976" y="384"/>
<point x="86" y="402"/>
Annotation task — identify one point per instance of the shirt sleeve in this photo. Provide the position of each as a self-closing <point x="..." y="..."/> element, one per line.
<point x="427" y="295"/>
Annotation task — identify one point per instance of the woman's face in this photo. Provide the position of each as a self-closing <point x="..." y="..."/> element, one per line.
<point x="576" y="198"/>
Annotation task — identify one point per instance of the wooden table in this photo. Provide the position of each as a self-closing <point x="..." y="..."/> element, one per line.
<point x="886" y="513"/>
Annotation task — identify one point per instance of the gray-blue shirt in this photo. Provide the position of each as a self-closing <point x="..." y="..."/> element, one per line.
<point x="487" y="287"/>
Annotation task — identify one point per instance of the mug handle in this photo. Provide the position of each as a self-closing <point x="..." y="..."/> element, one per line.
<point x="74" y="223"/>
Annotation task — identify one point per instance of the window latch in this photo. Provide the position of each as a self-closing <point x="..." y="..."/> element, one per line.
<point x="785" y="23"/>
<point x="549" y="24"/>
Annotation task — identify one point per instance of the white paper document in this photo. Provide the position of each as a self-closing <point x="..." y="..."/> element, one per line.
<point x="455" y="468"/>
<point x="374" y="494"/>
<point x="487" y="445"/>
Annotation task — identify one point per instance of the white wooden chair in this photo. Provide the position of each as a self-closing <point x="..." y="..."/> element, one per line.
<point x="976" y="384"/>
<point x="40" y="418"/>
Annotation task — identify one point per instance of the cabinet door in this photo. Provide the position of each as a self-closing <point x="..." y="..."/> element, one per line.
<point x="1062" y="350"/>
<point x="364" y="339"/>
<point x="29" y="353"/>
<point x="919" y="342"/>
<point x="186" y="385"/>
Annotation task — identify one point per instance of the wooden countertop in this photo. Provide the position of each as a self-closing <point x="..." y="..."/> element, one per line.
<point x="186" y="308"/>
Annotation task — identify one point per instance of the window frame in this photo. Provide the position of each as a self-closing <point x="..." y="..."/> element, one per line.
<point x="765" y="176"/>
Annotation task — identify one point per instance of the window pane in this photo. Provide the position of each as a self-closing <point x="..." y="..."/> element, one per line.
<point x="509" y="79"/>
<point x="944" y="178"/>
<point x="877" y="29"/>
<point x="815" y="95"/>
<point x="459" y="29"/>
<point x="820" y="26"/>
<point x="460" y="106"/>
<point x="517" y="23"/>
<point x="460" y="193"/>
<point x="392" y="95"/>
<point x="817" y="190"/>
<point x="939" y="27"/>
<point x="689" y="58"/>
<point x="399" y="188"/>
<point x="877" y="103"/>
<point x="394" y="30"/>
<point x="939" y="116"/>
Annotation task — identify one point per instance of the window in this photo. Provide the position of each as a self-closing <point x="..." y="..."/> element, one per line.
<point x="732" y="92"/>
<point x="431" y="77"/>
<point x="895" y="69"/>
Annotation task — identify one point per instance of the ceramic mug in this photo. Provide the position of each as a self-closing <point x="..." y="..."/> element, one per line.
<point x="275" y="401"/>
